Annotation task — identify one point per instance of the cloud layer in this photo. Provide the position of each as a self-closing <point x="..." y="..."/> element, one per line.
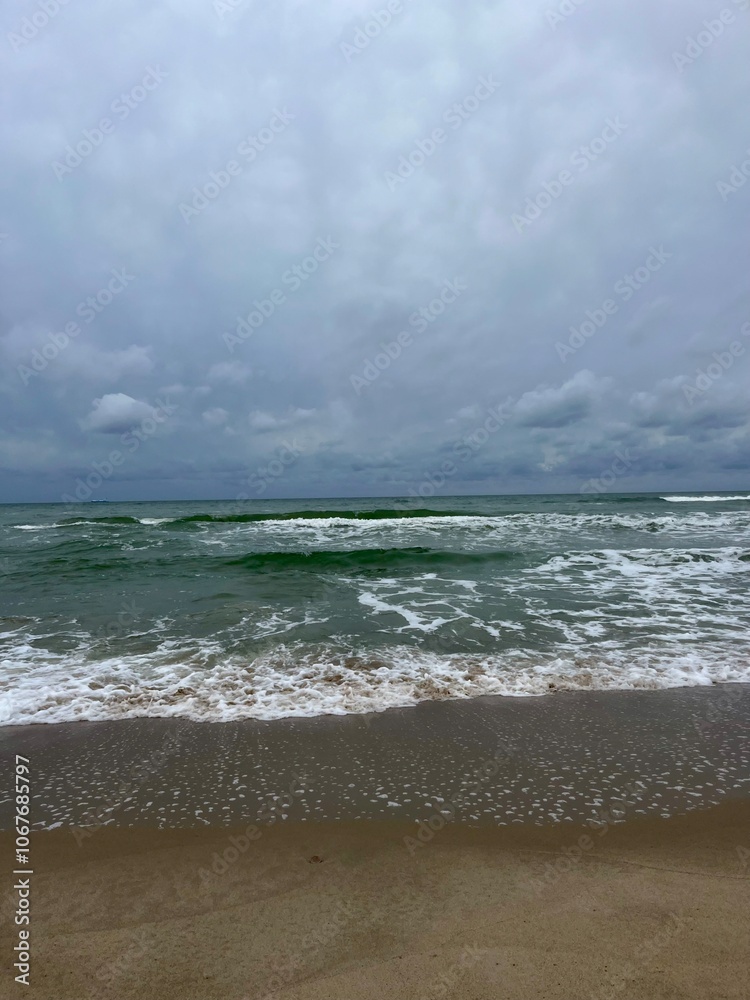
<point x="348" y="232"/>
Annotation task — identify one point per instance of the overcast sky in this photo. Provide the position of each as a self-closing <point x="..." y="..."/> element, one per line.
<point x="459" y="182"/>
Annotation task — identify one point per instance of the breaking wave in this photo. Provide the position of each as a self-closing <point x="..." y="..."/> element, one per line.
<point x="200" y="682"/>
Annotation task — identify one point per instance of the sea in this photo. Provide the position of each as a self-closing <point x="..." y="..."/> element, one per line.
<point x="227" y="610"/>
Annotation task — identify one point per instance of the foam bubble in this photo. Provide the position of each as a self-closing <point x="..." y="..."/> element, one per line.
<point x="199" y="682"/>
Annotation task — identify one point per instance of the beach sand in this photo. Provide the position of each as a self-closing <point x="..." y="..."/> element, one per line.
<point x="655" y="908"/>
<point x="612" y="898"/>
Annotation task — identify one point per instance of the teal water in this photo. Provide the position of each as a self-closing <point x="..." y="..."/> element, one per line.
<point x="233" y="609"/>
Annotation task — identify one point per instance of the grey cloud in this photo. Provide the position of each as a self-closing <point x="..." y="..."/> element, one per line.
<point x="449" y="213"/>
<point x="571" y="402"/>
<point x="229" y="371"/>
<point x="215" y="417"/>
<point x="262" y="421"/>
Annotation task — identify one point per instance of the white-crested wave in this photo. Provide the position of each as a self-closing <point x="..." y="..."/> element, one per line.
<point x="199" y="683"/>
<point x="708" y="499"/>
<point x="556" y="529"/>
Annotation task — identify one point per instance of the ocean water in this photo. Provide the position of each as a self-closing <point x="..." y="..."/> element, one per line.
<point x="264" y="609"/>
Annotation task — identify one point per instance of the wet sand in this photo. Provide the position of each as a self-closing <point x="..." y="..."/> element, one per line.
<point x="653" y="908"/>
<point x="561" y="758"/>
<point x="593" y="845"/>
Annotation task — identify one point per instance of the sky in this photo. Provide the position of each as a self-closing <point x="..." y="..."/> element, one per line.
<point x="273" y="248"/>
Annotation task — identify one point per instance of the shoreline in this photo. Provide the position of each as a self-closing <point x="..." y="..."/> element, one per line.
<point x="587" y="844"/>
<point x="497" y="760"/>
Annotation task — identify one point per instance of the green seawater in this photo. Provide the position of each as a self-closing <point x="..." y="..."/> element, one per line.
<point x="264" y="608"/>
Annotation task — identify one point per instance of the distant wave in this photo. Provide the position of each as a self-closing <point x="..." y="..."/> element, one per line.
<point x="319" y="515"/>
<point x="294" y="515"/>
<point x="97" y="520"/>
<point x="706" y="499"/>
<point x="364" y="559"/>
<point x="662" y="567"/>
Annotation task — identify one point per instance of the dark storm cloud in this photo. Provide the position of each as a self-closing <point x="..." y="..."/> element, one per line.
<point x="237" y="232"/>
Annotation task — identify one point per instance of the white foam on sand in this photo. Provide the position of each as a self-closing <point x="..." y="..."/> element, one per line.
<point x="200" y="681"/>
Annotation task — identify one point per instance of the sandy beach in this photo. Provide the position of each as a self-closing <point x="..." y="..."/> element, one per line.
<point x="593" y="845"/>
<point x="652" y="908"/>
<point x="375" y="501"/>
